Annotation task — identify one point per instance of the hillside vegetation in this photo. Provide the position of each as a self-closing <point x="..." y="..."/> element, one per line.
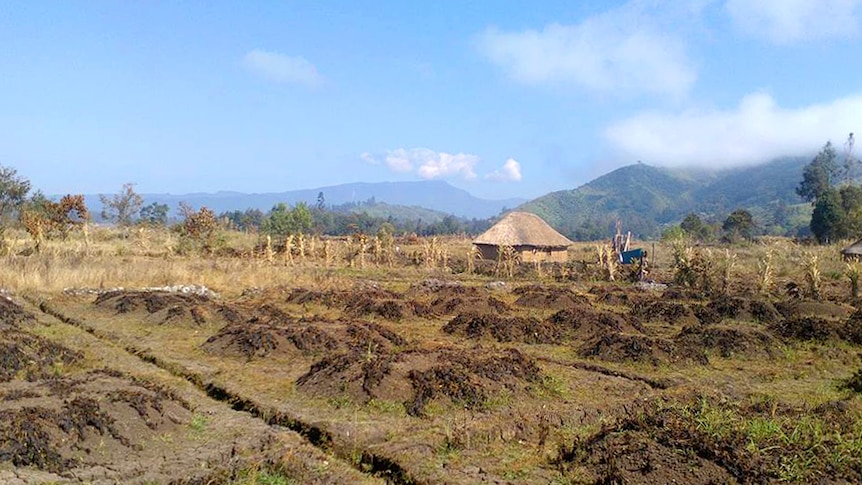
<point x="648" y="198"/>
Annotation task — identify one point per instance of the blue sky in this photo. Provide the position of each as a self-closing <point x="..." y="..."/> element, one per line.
<point x="502" y="98"/>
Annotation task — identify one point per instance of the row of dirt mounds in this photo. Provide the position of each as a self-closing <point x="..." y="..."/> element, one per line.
<point x="576" y="323"/>
<point x="664" y="311"/>
<point x="666" y="442"/>
<point x="165" y="307"/>
<point x="608" y="336"/>
<point x="548" y="298"/>
<point x="634" y="457"/>
<point x="820" y="329"/>
<point x="619" y="296"/>
<point x="11" y="314"/>
<point x="728" y="340"/>
<point x="425" y="301"/>
<point x="100" y="419"/>
<point x="811" y="308"/>
<point x="63" y="423"/>
<point x="366" y="301"/>
<point x="28" y="356"/>
<point x="620" y="347"/>
<point x="24" y="355"/>
<point x="279" y="334"/>
<point x="416" y="377"/>
<point x="738" y="308"/>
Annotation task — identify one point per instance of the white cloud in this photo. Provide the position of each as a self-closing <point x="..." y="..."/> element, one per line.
<point x="402" y="160"/>
<point x="510" y="171"/>
<point x="623" y="51"/>
<point x="785" y="21"/>
<point x="427" y="163"/>
<point x="369" y="158"/>
<point x="755" y="131"/>
<point x="282" y="68"/>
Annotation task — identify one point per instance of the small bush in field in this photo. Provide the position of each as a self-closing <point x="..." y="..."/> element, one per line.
<point x="199" y="226"/>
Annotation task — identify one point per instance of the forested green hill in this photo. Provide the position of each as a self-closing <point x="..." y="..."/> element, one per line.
<point x="648" y="198"/>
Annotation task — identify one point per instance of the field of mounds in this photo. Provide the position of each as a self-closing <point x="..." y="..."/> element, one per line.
<point x="417" y="377"/>
<point x="100" y="419"/>
<point x="260" y="336"/>
<point x="550" y="298"/>
<point x="426" y="375"/>
<point x="67" y="417"/>
<point x="576" y="323"/>
<point x="706" y="440"/>
<point x="426" y="299"/>
<point x="163" y="307"/>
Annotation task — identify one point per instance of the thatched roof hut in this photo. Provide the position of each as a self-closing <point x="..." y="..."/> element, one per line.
<point x="531" y="237"/>
<point x="853" y="251"/>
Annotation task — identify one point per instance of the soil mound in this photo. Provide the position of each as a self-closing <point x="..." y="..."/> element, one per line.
<point x="161" y="307"/>
<point x="808" y="328"/>
<point x="263" y="336"/>
<point x="583" y="323"/>
<point x="370" y="300"/>
<point x="388" y="308"/>
<point x="616" y="296"/>
<point x="303" y="296"/>
<point x="436" y="298"/>
<point x="548" y="298"/>
<point x="99" y="419"/>
<point x="635" y="457"/>
<point x="503" y="329"/>
<point x="809" y="308"/>
<point x="443" y="289"/>
<point x="29" y="356"/>
<point x="852" y="328"/>
<point x="575" y="324"/>
<point x="452" y="305"/>
<point x="663" y="441"/>
<point x="11" y="314"/>
<point x="727" y="341"/>
<point x="737" y="308"/>
<point x="619" y="347"/>
<point x="664" y="311"/>
<point x="417" y="377"/>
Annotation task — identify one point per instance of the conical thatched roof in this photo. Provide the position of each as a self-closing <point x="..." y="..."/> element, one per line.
<point x="854" y="249"/>
<point x="522" y="229"/>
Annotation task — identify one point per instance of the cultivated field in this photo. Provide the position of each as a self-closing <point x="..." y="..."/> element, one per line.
<point x="129" y="359"/>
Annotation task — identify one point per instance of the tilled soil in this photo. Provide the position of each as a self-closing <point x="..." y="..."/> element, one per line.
<point x="579" y="322"/>
<point x="27" y="356"/>
<point x="620" y="347"/>
<point x="728" y="341"/>
<point x="738" y="308"/>
<point x="164" y="307"/>
<point x="664" y="311"/>
<point x="416" y="377"/>
<point x="548" y="298"/>
<point x="101" y="418"/>
<point x="266" y="336"/>
<point x="669" y="442"/>
<point x="634" y="457"/>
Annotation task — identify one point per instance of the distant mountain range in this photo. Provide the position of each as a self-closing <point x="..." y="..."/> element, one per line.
<point x="646" y="199"/>
<point x="435" y="195"/>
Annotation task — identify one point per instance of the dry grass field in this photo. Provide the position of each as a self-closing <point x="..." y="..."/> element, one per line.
<point x="127" y="358"/>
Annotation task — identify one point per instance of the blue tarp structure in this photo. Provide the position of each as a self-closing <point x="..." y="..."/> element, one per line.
<point x="628" y="256"/>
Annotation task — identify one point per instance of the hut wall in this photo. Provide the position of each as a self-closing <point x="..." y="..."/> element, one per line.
<point x="527" y="254"/>
<point x="487" y="251"/>
<point x="530" y="254"/>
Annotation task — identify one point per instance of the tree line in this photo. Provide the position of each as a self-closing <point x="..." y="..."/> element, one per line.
<point x="45" y="219"/>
